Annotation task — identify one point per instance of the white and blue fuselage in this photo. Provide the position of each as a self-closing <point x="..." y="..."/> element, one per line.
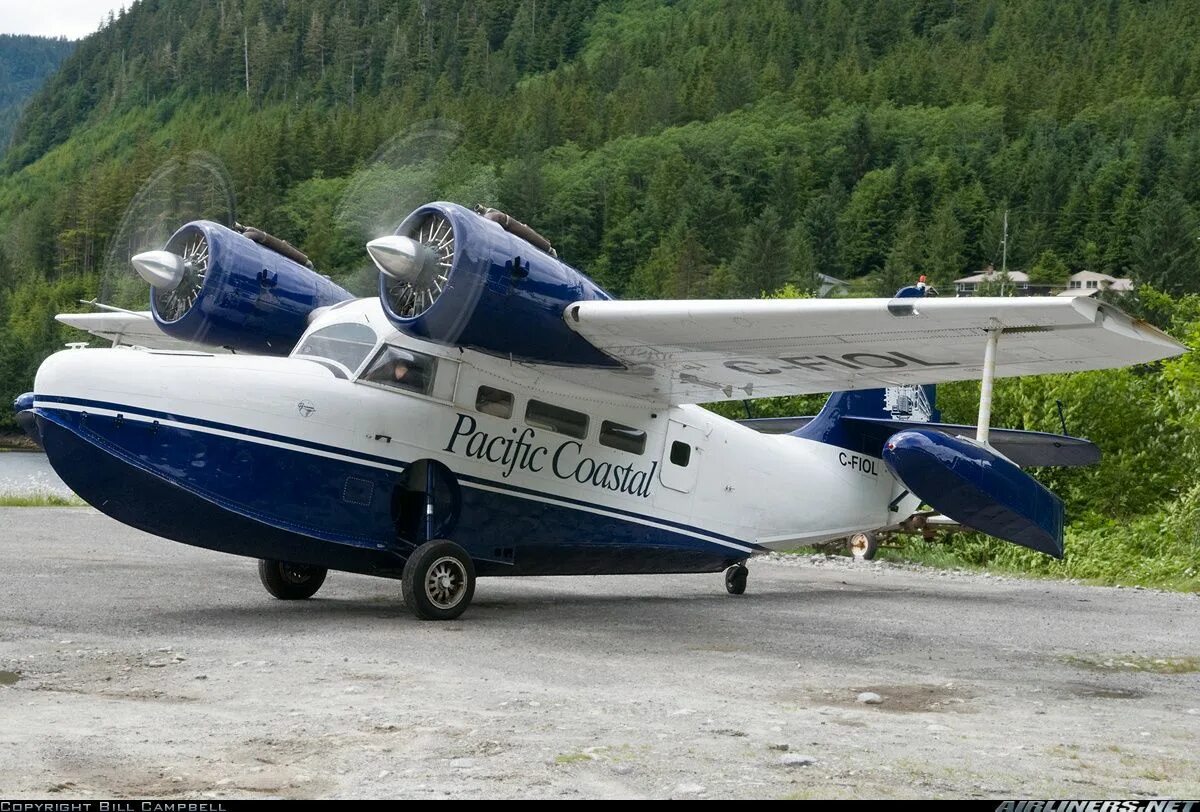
<point x="316" y="459"/>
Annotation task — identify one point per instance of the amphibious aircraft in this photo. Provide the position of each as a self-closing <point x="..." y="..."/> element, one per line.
<point x="495" y="412"/>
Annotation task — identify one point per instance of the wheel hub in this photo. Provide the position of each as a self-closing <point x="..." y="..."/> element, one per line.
<point x="446" y="583"/>
<point x="295" y="574"/>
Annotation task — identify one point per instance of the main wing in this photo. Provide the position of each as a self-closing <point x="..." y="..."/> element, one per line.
<point x="704" y="351"/>
<point x="132" y="327"/>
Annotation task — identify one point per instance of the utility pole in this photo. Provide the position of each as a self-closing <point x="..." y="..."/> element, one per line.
<point x="1004" y="254"/>
<point x="246" y="56"/>
<point x="1004" y="246"/>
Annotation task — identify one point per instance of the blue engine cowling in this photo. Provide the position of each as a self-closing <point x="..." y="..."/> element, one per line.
<point x="499" y="294"/>
<point x="242" y="296"/>
<point x="977" y="488"/>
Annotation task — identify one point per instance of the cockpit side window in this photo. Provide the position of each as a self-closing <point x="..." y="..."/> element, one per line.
<point x="495" y="402"/>
<point x="399" y="368"/>
<point x="347" y="344"/>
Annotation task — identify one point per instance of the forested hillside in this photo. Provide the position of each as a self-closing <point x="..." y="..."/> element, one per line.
<point x="692" y="148"/>
<point x="25" y="63"/>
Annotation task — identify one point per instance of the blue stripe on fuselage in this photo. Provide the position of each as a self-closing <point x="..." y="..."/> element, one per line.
<point x="304" y="493"/>
<point x="391" y="462"/>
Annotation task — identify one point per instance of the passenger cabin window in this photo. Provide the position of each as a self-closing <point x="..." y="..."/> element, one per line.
<point x="681" y="453"/>
<point x="347" y="344"/>
<point x="495" y="402"/>
<point x="554" y="418"/>
<point x="402" y="369"/>
<point x="625" y="438"/>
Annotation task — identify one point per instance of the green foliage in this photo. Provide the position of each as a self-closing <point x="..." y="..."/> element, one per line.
<point x="1050" y="269"/>
<point x="25" y="62"/>
<point x="1160" y="549"/>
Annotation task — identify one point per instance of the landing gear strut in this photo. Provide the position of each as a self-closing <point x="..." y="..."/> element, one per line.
<point x="288" y="581"/>
<point x="735" y="579"/>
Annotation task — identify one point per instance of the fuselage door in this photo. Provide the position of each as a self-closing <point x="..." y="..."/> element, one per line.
<point x="681" y="457"/>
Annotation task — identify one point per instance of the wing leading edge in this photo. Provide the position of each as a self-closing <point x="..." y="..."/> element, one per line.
<point x="132" y="327"/>
<point x="704" y="351"/>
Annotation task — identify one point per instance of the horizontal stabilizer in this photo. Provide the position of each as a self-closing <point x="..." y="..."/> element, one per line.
<point x="977" y="488"/>
<point x="776" y="425"/>
<point x="1028" y="449"/>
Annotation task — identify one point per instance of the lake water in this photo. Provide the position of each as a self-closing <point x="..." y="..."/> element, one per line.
<point x="27" y="473"/>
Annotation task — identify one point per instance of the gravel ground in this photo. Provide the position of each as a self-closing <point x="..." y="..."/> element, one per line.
<point x="134" y="667"/>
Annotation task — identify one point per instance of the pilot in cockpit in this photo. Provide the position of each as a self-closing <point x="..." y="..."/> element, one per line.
<point x="400" y="369"/>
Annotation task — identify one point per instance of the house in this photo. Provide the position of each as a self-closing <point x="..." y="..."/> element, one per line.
<point x="1083" y="283"/>
<point x="990" y="277"/>
<point x="1089" y="283"/>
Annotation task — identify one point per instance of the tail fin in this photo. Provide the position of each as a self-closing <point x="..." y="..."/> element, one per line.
<point x="916" y="404"/>
<point x="908" y="404"/>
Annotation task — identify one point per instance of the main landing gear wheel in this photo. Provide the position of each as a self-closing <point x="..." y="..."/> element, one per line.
<point x="735" y="579"/>
<point x="863" y="546"/>
<point x="290" y="582"/>
<point x="438" y="580"/>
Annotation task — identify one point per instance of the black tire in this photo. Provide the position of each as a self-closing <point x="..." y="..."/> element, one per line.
<point x="863" y="546"/>
<point x="438" y="580"/>
<point x="290" y="582"/>
<point x="735" y="579"/>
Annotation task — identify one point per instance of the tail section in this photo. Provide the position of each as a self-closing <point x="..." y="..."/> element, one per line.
<point x="907" y="404"/>
<point x="977" y="484"/>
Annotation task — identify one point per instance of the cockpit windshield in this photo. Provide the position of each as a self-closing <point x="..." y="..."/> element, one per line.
<point x="398" y="368"/>
<point x="348" y="344"/>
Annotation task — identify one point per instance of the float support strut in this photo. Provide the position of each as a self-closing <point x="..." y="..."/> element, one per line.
<point x="985" y="389"/>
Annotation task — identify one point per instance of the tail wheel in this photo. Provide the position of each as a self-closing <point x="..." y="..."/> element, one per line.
<point x="290" y="582"/>
<point x="863" y="546"/>
<point x="438" y="580"/>
<point x="735" y="579"/>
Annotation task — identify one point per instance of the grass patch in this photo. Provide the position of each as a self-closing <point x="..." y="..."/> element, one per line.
<point x="39" y="500"/>
<point x="1134" y="662"/>
<point x="1159" y="550"/>
<point x="573" y="758"/>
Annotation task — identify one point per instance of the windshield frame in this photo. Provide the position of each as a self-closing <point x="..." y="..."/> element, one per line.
<point x="369" y="352"/>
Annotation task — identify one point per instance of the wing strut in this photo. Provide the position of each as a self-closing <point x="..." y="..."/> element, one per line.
<point x="428" y="503"/>
<point x="985" y="390"/>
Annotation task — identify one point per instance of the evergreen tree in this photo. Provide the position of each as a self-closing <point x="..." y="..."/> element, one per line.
<point x="1164" y="251"/>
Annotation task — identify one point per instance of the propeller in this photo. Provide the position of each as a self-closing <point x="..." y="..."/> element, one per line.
<point x="192" y="187"/>
<point x="410" y="169"/>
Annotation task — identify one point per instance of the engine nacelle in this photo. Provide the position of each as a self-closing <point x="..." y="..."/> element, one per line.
<point x="475" y="285"/>
<point x="229" y="291"/>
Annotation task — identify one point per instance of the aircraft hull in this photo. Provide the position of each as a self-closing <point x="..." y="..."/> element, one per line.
<point x="201" y="484"/>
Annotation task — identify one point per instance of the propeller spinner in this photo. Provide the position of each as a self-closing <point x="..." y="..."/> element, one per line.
<point x="416" y="268"/>
<point x="161" y="269"/>
<point x="401" y="258"/>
